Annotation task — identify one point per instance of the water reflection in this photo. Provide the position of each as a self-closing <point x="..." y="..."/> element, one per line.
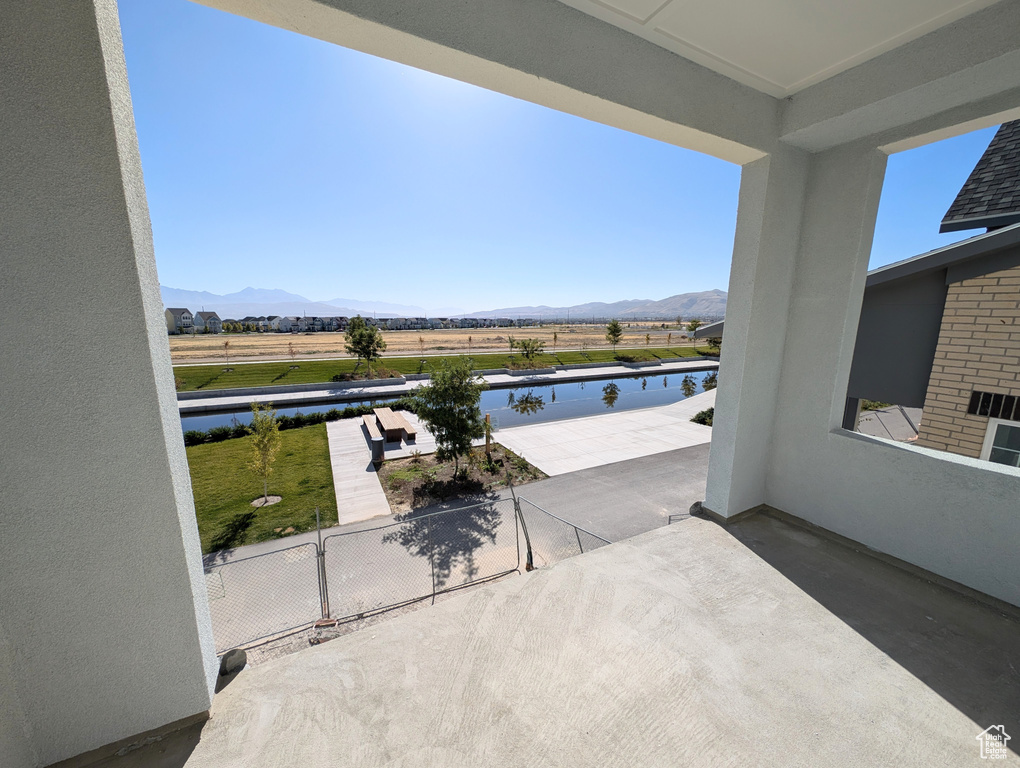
<point x="644" y="384"/>
<point x="688" y="386"/>
<point x="710" y="381"/>
<point x="610" y="394"/>
<point x="528" y="403"/>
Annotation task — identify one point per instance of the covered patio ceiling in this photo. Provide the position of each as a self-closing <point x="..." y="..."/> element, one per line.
<point x="779" y="47"/>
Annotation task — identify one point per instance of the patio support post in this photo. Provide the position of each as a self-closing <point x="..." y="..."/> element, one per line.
<point x="104" y="615"/>
<point x="762" y="278"/>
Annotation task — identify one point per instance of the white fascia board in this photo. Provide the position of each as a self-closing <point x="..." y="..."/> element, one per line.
<point x="951" y="74"/>
<point x="548" y="53"/>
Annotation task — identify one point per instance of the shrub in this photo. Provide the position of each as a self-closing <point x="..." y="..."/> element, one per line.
<point x="194" y="437"/>
<point x="216" y="434"/>
<point x="704" y="417"/>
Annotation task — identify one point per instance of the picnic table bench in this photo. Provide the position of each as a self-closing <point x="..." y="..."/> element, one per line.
<point x="393" y="425"/>
<point x="370" y="425"/>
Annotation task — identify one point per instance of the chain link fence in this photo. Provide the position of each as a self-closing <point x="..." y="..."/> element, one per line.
<point x="352" y="574"/>
<point x="253" y="598"/>
<point x="550" y="539"/>
<point x="419" y="556"/>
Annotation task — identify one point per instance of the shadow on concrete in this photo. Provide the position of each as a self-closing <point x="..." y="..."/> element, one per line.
<point x="966" y="652"/>
<point x="454" y="538"/>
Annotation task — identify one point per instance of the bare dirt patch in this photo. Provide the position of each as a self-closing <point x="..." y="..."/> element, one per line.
<point x="420" y="481"/>
<point x="456" y="341"/>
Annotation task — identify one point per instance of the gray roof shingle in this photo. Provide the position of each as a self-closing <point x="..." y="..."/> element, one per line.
<point x="990" y="198"/>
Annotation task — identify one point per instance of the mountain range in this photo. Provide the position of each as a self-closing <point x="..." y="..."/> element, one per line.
<point x="704" y="305"/>
<point x="273" y="301"/>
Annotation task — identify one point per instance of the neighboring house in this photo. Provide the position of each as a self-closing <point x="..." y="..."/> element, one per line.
<point x="208" y="321"/>
<point x="178" y="320"/>
<point x="941" y="331"/>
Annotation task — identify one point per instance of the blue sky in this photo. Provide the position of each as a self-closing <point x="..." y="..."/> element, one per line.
<point x="278" y="161"/>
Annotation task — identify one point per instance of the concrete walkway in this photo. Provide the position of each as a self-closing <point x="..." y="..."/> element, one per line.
<point x="351" y="392"/>
<point x="558" y="447"/>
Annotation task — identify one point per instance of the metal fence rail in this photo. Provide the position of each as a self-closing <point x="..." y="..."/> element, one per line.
<point x="354" y="573"/>
<point x="255" y="597"/>
<point x="551" y="538"/>
<point x="419" y="556"/>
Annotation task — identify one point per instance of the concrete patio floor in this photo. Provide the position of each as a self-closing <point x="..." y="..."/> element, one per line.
<point x="759" y="644"/>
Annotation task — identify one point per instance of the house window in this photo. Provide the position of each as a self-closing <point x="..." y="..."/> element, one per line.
<point x="1002" y="443"/>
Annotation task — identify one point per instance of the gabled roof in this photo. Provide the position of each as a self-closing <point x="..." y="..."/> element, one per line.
<point x="991" y="195"/>
<point x="178" y="311"/>
<point x="208" y="315"/>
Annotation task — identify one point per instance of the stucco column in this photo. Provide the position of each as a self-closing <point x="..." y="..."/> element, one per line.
<point x="104" y="624"/>
<point x="761" y="283"/>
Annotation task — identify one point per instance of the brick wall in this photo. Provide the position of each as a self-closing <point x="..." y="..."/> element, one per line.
<point x="979" y="348"/>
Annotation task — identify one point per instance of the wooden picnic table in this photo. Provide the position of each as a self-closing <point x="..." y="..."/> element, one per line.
<point x="393" y="425"/>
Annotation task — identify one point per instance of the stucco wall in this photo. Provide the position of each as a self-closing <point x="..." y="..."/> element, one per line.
<point x="105" y="629"/>
<point x="949" y="514"/>
<point x="978" y="349"/>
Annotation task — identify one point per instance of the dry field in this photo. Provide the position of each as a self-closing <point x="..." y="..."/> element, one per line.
<point x="282" y="346"/>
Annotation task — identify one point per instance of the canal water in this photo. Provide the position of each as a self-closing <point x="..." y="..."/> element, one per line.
<point x="528" y="404"/>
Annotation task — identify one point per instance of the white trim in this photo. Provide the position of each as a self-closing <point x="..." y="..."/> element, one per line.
<point x="993" y="425"/>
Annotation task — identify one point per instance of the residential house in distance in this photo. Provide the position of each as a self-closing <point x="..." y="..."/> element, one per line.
<point x="208" y="321"/>
<point x="178" y="320"/>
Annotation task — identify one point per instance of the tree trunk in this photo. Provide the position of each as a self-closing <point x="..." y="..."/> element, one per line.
<point x="265" y="491"/>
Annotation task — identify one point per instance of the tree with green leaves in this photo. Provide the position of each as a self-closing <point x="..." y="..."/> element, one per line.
<point x="265" y="443"/>
<point x="530" y="348"/>
<point x="363" y="341"/>
<point x="688" y="386"/>
<point x="693" y="326"/>
<point x="448" y="407"/>
<point x="614" y="333"/>
<point x="511" y="342"/>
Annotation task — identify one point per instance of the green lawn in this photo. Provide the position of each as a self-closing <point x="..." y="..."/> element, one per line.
<point x="224" y="489"/>
<point x="226" y="376"/>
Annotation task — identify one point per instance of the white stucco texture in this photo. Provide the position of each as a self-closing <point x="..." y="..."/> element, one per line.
<point x="103" y="633"/>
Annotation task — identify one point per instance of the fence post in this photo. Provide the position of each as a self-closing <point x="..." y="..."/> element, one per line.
<point x="529" y="564"/>
<point x="320" y="557"/>
<point x="432" y="560"/>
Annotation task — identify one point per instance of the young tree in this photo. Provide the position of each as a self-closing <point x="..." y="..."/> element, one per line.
<point x="530" y="348"/>
<point x="265" y="443"/>
<point x="226" y="349"/>
<point x="693" y="326"/>
<point x="648" y="339"/>
<point x="363" y="341"/>
<point x="669" y="339"/>
<point x="448" y="407"/>
<point x="291" y="350"/>
<point x="511" y="342"/>
<point x="421" y="344"/>
<point x="614" y="333"/>
<point x="556" y="337"/>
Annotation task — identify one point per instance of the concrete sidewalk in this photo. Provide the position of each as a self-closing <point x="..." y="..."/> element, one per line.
<point x="558" y="447"/>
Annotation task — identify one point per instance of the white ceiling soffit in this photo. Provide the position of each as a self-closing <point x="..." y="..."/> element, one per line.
<point x="779" y="46"/>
